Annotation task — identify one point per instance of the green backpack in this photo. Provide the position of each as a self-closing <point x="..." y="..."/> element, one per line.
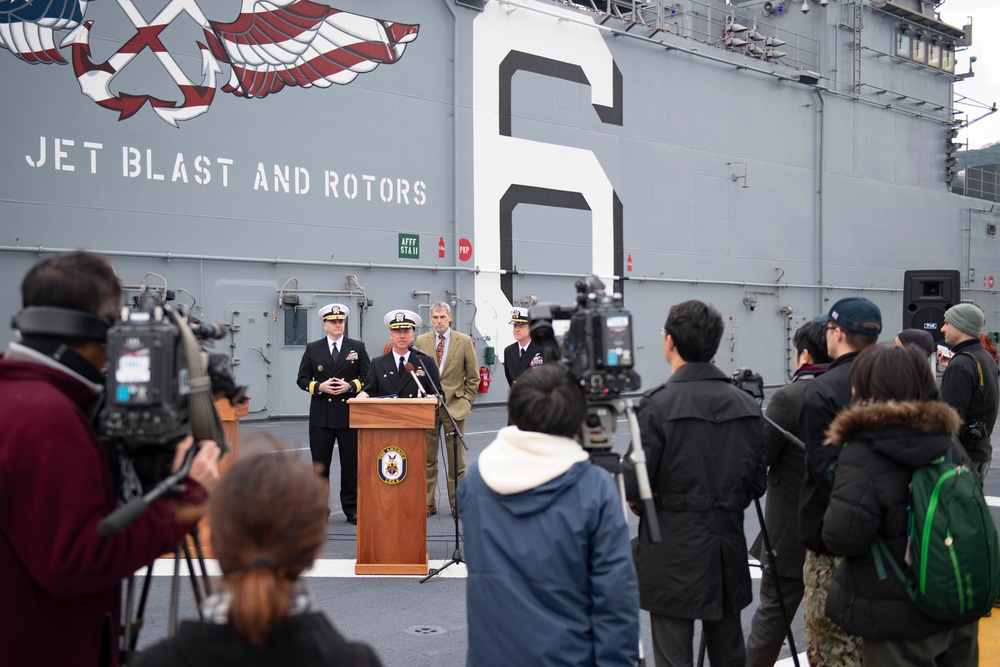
<point x="953" y="552"/>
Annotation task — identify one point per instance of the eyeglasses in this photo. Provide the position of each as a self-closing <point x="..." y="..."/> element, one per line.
<point x="831" y="327"/>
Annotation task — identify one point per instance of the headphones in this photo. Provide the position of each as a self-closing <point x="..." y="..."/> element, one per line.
<point x="61" y="322"/>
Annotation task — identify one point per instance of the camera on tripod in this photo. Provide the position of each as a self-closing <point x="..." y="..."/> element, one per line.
<point x="157" y="370"/>
<point x="597" y="351"/>
<point x="597" y="348"/>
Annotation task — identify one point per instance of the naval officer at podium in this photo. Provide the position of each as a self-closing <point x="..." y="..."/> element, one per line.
<point x="389" y="375"/>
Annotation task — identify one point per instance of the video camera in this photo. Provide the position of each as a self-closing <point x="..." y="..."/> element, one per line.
<point x="161" y="382"/>
<point x="597" y="348"/>
<point x="597" y="351"/>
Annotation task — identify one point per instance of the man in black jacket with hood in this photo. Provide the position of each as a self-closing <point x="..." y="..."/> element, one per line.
<point x="852" y="325"/>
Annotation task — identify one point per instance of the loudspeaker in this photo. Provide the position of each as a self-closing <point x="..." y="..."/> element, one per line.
<point x="927" y="293"/>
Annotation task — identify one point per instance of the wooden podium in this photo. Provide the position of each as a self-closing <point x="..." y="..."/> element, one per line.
<point x="230" y="417"/>
<point x="392" y="483"/>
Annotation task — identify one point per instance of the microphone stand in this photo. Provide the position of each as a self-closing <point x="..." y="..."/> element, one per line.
<point x="456" y="435"/>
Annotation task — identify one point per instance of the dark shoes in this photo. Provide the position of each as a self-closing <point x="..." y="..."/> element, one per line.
<point x="352" y="518"/>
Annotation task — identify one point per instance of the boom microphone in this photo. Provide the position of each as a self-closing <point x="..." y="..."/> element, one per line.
<point x="204" y="330"/>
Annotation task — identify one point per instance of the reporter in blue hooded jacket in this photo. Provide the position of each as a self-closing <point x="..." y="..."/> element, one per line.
<point x="551" y="579"/>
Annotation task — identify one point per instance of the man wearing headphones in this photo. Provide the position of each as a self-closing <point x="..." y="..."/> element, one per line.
<point x="61" y="579"/>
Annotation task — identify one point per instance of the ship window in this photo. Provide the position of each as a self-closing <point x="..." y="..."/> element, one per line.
<point x="296" y="325"/>
<point x="903" y="41"/>
<point x="919" y="50"/>
<point x="934" y="55"/>
<point x="948" y="58"/>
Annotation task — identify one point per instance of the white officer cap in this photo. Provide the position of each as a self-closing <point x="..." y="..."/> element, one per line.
<point x="518" y="315"/>
<point x="333" y="312"/>
<point x="402" y="319"/>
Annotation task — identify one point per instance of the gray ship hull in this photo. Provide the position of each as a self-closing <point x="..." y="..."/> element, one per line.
<point x="490" y="158"/>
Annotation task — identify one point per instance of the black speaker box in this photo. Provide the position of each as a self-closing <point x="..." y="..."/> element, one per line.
<point x="927" y="293"/>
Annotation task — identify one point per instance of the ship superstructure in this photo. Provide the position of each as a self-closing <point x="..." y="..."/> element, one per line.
<point x="767" y="157"/>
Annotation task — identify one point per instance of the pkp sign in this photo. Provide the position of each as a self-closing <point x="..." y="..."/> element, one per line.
<point x="464" y="249"/>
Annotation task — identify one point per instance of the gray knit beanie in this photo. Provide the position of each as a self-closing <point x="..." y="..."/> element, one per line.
<point x="965" y="317"/>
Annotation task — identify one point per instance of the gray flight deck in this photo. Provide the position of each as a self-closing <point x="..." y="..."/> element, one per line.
<point x="409" y="623"/>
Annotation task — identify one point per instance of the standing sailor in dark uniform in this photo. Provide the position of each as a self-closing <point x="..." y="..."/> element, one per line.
<point x="522" y="354"/>
<point x="333" y="370"/>
<point x="388" y="375"/>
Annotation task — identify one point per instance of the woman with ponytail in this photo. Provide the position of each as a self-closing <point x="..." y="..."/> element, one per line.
<point x="268" y="517"/>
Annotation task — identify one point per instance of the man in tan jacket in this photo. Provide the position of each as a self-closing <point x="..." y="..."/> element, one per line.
<point x="455" y="356"/>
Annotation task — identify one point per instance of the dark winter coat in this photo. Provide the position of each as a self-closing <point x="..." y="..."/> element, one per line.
<point x="785" y="464"/>
<point x="884" y="444"/>
<point x="704" y="449"/>
<point x="304" y="640"/>
<point x="823" y="398"/>
<point x="960" y="388"/>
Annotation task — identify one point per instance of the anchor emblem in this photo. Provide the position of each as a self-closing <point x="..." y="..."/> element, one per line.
<point x="272" y="45"/>
<point x="95" y="79"/>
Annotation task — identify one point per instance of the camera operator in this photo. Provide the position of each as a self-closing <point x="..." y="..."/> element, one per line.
<point x="551" y="581"/>
<point x="703" y="441"/>
<point x="969" y="383"/>
<point x="60" y="580"/>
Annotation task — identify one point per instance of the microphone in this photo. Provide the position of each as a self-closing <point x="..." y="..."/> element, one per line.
<point x="420" y="353"/>
<point x="211" y="330"/>
<point x="409" y="369"/>
<point x="413" y="348"/>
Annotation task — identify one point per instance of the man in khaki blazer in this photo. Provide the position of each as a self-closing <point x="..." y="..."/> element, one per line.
<point x="456" y="360"/>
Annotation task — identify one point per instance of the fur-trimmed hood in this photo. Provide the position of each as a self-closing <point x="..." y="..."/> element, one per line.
<point x="910" y="432"/>
<point x="923" y="416"/>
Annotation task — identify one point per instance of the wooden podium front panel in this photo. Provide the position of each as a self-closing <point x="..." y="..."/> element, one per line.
<point x="392" y="413"/>
<point x="392" y="518"/>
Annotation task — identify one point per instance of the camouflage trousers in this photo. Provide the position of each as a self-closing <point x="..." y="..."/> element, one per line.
<point x="827" y="645"/>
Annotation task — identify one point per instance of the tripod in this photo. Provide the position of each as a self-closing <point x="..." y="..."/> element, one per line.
<point x="754" y="385"/>
<point x="456" y="435"/>
<point x="127" y="513"/>
<point x="599" y="426"/>
<point x="772" y="566"/>
<point x="133" y="624"/>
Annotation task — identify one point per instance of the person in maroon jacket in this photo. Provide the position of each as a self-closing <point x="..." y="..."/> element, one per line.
<point x="60" y="580"/>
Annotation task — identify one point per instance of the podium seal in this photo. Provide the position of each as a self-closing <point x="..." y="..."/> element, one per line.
<point x="392" y="465"/>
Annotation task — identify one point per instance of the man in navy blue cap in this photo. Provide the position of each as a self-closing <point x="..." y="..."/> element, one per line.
<point x="852" y="325"/>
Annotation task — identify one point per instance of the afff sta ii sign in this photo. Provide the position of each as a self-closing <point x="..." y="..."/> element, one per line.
<point x="409" y="246"/>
